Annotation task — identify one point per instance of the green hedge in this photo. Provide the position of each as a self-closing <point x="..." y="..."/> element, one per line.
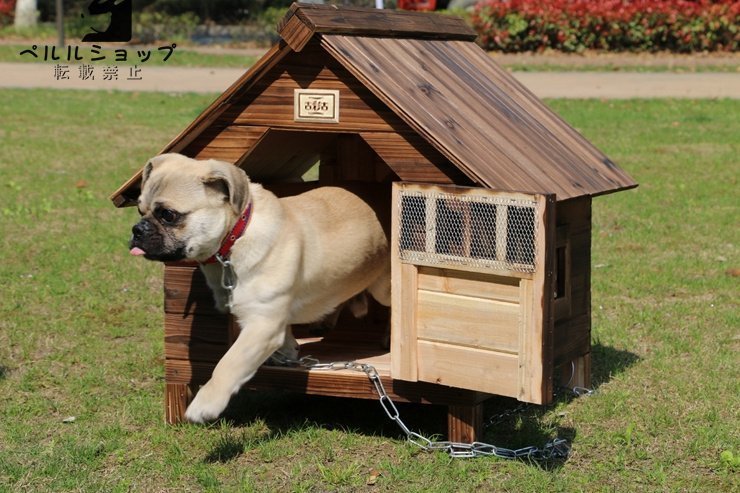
<point x="617" y="25"/>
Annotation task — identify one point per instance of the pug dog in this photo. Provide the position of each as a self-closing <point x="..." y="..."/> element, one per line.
<point x="295" y="260"/>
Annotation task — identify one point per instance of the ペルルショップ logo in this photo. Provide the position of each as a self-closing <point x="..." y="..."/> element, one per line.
<point x="93" y="62"/>
<point x="119" y="28"/>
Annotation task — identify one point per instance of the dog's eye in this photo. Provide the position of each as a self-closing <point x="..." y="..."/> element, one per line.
<point x="167" y="216"/>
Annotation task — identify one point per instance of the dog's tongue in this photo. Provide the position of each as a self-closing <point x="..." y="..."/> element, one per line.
<point x="137" y="251"/>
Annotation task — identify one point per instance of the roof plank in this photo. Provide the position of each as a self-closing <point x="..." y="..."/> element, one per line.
<point x="304" y="20"/>
<point x="480" y="117"/>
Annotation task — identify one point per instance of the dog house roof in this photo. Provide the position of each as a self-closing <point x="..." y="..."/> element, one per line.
<point x="428" y="71"/>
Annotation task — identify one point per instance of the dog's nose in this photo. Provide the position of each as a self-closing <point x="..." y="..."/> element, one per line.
<point x="140" y="229"/>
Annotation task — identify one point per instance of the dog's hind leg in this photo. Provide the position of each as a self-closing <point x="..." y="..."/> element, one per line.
<point x="357" y="306"/>
<point x="263" y="332"/>
<point x="380" y="288"/>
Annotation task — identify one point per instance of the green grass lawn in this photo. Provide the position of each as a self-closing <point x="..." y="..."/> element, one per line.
<point x="81" y="326"/>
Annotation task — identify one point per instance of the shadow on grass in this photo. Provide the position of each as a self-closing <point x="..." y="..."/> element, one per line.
<point x="510" y="424"/>
<point x="287" y="413"/>
<point x="230" y="446"/>
<point x="3" y="372"/>
<point x="607" y="362"/>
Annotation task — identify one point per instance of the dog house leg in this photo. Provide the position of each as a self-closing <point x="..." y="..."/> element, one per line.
<point x="176" y="399"/>
<point x="465" y="423"/>
<point x="577" y="373"/>
<point x="582" y="371"/>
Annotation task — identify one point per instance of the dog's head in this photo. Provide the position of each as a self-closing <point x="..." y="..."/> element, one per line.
<point x="187" y="207"/>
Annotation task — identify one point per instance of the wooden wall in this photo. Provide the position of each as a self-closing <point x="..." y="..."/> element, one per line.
<point x="572" y="336"/>
<point x="196" y="334"/>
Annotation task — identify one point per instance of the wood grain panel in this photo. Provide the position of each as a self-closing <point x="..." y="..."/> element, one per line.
<point x="571" y="161"/>
<point x="359" y="21"/>
<point x="468" y="321"/>
<point x="403" y="302"/>
<point x="187" y="371"/>
<point x="462" y="283"/>
<point x="572" y="339"/>
<point x="412" y="158"/>
<point x="342" y="383"/>
<point x="465" y="423"/>
<point x="295" y="31"/>
<point x="186" y="291"/>
<point x="200" y="338"/>
<point x="456" y="366"/>
<point x="590" y="169"/>
<point x="270" y="103"/>
<point x="224" y="143"/>
<point x="404" y="356"/>
<point x="176" y="400"/>
<point x="274" y="107"/>
<point x="572" y="333"/>
<point x="580" y="274"/>
<point x="538" y="315"/>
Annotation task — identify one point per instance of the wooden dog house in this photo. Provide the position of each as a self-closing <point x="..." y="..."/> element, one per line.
<point x="490" y="211"/>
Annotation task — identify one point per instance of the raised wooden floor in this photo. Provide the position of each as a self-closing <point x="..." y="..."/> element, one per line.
<point x="183" y="376"/>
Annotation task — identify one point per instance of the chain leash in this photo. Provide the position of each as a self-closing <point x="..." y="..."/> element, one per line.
<point x="228" y="278"/>
<point x="555" y="449"/>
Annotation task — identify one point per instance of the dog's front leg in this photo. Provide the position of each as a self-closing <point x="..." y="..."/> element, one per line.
<point x="261" y="335"/>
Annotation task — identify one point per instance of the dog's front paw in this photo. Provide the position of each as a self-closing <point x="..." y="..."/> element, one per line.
<point x="206" y="406"/>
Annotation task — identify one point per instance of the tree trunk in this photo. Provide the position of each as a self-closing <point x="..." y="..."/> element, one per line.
<point x="26" y="14"/>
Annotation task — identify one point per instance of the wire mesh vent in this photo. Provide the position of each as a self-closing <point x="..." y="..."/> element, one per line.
<point x="484" y="231"/>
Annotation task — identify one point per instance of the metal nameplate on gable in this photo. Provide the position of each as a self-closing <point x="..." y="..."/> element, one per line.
<point x="316" y="105"/>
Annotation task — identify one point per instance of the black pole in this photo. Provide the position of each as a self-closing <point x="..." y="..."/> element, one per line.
<point x="60" y="23"/>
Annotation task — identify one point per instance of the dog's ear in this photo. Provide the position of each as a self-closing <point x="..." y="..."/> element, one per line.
<point x="232" y="182"/>
<point x="150" y="166"/>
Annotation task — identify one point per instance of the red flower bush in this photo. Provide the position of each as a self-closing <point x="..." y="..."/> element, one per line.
<point x="7" y="7"/>
<point x="619" y="25"/>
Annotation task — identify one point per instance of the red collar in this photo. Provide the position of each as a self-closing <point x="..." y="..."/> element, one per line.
<point x="236" y="233"/>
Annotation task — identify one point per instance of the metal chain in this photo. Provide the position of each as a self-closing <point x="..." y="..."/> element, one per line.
<point x="228" y="278"/>
<point x="556" y="449"/>
<point x="575" y="391"/>
<point x="500" y="417"/>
